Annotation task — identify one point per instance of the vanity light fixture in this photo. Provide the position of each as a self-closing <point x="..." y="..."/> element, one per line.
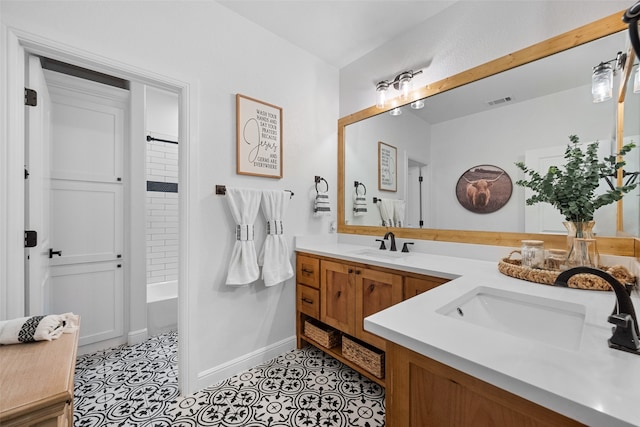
<point x="602" y="78"/>
<point x="401" y="82"/>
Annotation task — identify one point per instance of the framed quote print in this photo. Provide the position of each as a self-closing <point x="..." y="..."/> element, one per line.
<point x="258" y="138"/>
<point x="387" y="167"/>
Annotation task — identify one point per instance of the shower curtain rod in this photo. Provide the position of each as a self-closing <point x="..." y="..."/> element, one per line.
<point x="150" y="138"/>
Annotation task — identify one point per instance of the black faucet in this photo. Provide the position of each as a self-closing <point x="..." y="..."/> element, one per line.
<point x="393" y="240"/>
<point x="625" y="331"/>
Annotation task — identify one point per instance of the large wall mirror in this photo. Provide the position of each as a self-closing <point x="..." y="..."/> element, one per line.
<point x="521" y="107"/>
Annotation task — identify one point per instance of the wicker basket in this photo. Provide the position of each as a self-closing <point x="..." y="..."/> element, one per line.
<point x="322" y="334"/>
<point x="512" y="267"/>
<point x="363" y="355"/>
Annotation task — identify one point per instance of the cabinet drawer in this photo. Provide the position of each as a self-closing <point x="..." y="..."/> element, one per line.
<point x="308" y="271"/>
<point x="414" y="286"/>
<point x="308" y="301"/>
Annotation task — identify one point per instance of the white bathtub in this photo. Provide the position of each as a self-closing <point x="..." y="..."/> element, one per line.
<point x="162" y="307"/>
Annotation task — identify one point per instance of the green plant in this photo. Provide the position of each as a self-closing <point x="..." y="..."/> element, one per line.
<point x="572" y="188"/>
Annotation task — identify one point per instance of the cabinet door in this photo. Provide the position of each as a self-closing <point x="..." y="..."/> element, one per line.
<point x="414" y="286"/>
<point x="375" y="291"/>
<point x="337" y="295"/>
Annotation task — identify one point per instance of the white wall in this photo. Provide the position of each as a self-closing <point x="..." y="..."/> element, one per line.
<point x="218" y="54"/>
<point x="407" y="132"/>
<point x="500" y="137"/>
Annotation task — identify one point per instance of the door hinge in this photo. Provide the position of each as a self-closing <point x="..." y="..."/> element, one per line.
<point x="26" y="173"/>
<point x="30" y="238"/>
<point x="30" y="97"/>
<point x="420" y="178"/>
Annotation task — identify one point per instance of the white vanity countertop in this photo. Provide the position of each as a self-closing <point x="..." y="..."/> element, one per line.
<point x="593" y="384"/>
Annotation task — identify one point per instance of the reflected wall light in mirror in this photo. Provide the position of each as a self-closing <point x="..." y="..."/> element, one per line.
<point x="402" y="83"/>
<point x="602" y="79"/>
<point x="636" y="80"/>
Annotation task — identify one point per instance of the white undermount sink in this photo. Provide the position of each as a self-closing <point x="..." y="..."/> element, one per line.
<point x="554" y="322"/>
<point x="381" y="253"/>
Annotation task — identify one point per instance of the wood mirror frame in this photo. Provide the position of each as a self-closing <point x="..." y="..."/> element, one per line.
<point x="624" y="246"/>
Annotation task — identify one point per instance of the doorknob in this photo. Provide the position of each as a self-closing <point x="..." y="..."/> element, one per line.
<point x="52" y="253"/>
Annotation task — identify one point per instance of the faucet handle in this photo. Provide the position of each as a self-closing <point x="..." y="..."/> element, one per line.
<point x="624" y="333"/>
<point x="405" y="248"/>
<point x="382" y="245"/>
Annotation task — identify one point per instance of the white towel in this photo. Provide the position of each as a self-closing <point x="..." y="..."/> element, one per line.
<point x="359" y="204"/>
<point x="244" y="204"/>
<point x="398" y="212"/>
<point x="321" y="204"/>
<point x="387" y="207"/>
<point x="37" y="328"/>
<point x="274" y="256"/>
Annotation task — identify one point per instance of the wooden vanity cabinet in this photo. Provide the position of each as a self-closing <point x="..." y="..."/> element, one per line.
<point x="424" y="392"/>
<point x="341" y="294"/>
<point x="416" y="285"/>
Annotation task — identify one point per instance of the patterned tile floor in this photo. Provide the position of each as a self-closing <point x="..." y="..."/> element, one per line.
<point x="137" y="386"/>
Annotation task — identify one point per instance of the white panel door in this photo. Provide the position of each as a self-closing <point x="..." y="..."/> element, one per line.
<point x="88" y="128"/>
<point x="37" y="209"/>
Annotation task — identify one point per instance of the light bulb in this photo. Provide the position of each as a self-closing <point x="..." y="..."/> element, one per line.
<point x="381" y="94"/>
<point x="602" y="83"/>
<point x="636" y="82"/>
<point x="405" y="87"/>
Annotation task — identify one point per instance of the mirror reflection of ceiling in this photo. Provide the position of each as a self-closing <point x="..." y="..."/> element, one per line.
<point x="566" y="72"/>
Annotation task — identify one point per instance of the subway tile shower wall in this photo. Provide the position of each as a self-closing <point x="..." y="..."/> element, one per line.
<point x="162" y="213"/>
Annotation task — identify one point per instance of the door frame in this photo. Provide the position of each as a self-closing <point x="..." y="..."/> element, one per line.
<point x="16" y="44"/>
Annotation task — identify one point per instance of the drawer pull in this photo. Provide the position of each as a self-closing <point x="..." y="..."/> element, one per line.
<point x="372" y="287"/>
<point x="307" y="300"/>
<point x="358" y="272"/>
<point x="350" y="270"/>
<point x="338" y="294"/>
<point x="305" y="271"/>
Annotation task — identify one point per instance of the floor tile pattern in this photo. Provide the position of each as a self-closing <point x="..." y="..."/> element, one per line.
<point x="137" y="386"/>
<point x="127" y="385"/>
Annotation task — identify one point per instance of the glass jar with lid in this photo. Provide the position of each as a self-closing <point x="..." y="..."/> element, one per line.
<point x="532" y="253"/>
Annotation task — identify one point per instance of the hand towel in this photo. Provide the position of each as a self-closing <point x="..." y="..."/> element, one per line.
<point x="399" y="207"/>
<point x="386" y="212"/>
<point x="274" y="256"/>
<point x="37" y="328"/>
<point x="321" y="204"/>
<point x="244" y="204"/>
<point x="359" y="204"/>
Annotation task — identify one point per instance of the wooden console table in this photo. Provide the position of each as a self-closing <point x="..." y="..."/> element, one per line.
<point x="36" y="382"/>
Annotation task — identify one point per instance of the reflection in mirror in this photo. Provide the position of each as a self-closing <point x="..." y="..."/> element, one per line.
<point x="631" y="215"/>
<point x="523" y="114"/>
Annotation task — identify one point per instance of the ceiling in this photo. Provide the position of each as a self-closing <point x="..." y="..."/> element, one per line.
<point x="337" y="31"/>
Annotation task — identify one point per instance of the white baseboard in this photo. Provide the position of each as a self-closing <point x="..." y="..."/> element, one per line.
<point x="136" y="337"/>
<point x="219" y="373"/>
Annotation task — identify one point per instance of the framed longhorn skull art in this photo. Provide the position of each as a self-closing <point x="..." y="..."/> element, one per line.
<point x="484" y="189"/>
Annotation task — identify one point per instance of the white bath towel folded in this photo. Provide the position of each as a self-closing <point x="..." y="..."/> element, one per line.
<point x="321" y="204"/>
<point x="399" y="207"/>
<point x="359" y="204"/>
<point x="274" y="256"/>
<point x="387" y="207"/>
<point x="37" y="328"/>
<point x="244" y="204"/>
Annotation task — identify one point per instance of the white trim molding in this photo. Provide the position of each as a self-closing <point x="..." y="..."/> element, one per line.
<point x="226" y="370"/>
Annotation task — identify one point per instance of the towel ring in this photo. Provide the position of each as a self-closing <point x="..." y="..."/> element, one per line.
<point x="318" y="179"/>
<point x="358" y="184"/>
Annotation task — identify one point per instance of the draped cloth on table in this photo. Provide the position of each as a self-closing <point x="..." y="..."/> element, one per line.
<point x="274" y="256"/>
<point x="244" y="204"/>
<point x="37" y="328"/>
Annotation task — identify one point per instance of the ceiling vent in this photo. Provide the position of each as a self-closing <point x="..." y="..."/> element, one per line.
<point x="499" y="101"/>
